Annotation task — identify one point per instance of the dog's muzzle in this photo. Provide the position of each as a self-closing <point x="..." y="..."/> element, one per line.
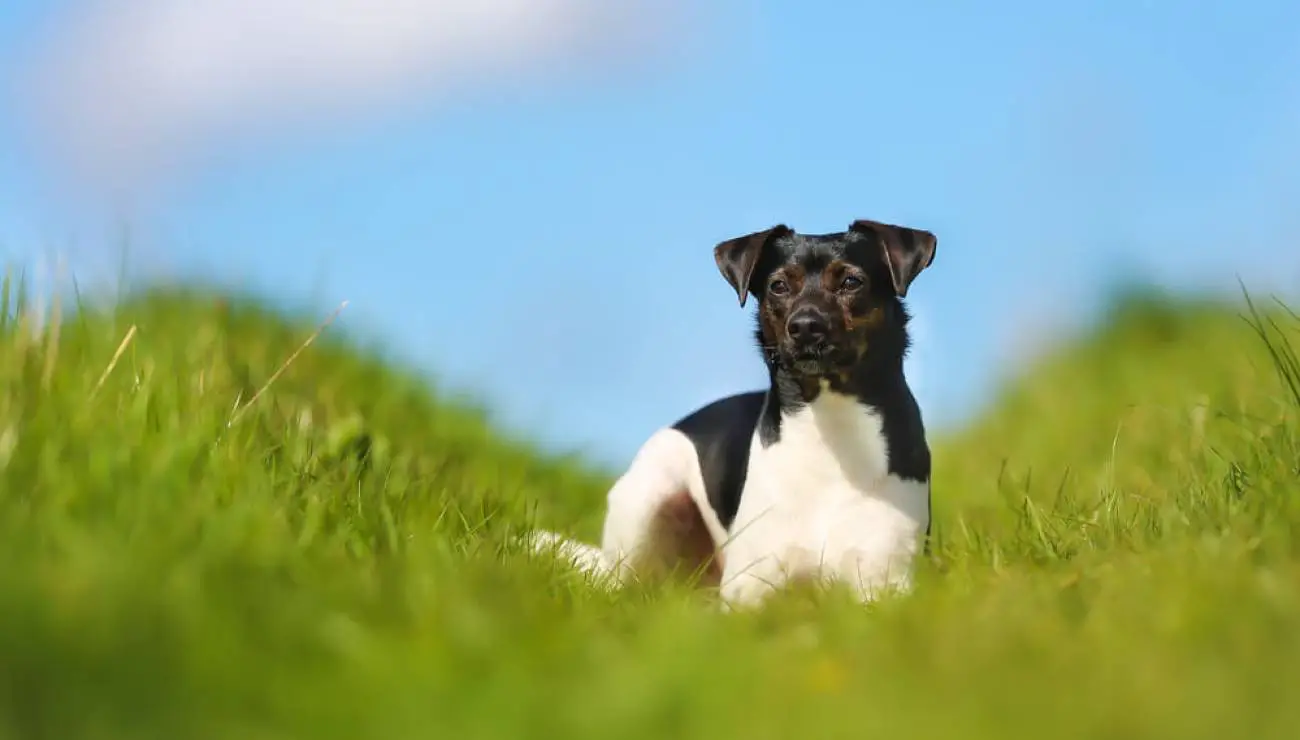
<point x="809" y="332"/>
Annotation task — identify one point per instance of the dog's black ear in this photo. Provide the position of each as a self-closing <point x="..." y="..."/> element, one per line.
<point x="907" y="251"/>
<point x="737" y="257"/>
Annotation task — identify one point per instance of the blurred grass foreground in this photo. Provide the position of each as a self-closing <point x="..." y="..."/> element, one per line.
<point x="205" y="535"/>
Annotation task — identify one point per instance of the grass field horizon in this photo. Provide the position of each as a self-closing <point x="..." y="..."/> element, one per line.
<point x="219" y="521"/>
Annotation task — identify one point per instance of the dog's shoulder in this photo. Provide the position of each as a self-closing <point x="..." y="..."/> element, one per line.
<point x="724" y="416"/>
<point x="721" y="433"/>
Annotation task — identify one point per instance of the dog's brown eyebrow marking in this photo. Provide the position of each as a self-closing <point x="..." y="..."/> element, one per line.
<point x="843" y="267"/>
<point x="793" y="274"/>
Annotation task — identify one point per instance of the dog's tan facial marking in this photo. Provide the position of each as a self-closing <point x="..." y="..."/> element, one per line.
<point x="855" y="303"/>
<point x="782" y="286"/>
<point x="868" y="319"/>
<point x="859" y="310"/>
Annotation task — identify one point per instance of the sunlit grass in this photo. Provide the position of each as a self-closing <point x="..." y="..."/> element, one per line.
<point x="207" y="532"/>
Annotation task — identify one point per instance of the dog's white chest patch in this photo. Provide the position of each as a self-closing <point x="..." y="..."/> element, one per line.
<point x="821" y="504"/>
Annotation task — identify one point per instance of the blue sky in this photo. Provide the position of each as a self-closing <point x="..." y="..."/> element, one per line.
<point x="542" y="238"/>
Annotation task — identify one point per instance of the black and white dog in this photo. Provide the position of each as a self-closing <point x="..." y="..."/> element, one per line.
<point x="824" y="475"/>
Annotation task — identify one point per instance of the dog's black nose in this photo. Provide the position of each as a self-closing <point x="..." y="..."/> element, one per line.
<point x="807" y="327"/>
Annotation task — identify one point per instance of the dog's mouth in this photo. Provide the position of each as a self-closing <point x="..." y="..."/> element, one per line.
<point x="811" y="360"/>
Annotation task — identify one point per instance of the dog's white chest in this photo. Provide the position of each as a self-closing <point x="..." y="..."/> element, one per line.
<point x="820" y="503"/>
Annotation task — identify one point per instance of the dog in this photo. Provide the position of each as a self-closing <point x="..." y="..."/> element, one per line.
<point x="823" y="476"/>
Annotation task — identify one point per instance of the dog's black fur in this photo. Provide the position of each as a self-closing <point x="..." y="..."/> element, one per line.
<point x="829" y="311"/>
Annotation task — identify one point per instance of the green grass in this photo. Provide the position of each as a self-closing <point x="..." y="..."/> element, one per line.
<point x="1116" y="553"/>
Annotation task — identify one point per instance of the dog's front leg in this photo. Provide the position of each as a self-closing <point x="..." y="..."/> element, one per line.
<point x="750" y="578"/>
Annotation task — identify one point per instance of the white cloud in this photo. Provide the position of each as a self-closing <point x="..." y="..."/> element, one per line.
<point x="131" y="88"/>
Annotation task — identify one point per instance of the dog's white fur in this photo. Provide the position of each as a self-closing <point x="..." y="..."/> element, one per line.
<point x="819" y="504"/>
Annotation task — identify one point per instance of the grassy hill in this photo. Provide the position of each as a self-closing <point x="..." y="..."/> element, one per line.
<point x="205" y="535"/>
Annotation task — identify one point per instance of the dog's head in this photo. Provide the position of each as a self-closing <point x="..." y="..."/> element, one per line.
<point x="825" y="300"/>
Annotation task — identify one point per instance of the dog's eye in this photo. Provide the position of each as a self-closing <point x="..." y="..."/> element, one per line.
<point x="778" y="287"/>
<point x="850" y="283"/>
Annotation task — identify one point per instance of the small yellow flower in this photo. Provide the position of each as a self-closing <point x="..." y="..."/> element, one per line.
<point x="827" y="676"/>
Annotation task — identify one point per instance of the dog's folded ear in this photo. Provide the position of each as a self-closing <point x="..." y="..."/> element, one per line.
<point x="907" y="251"/>
<point x="738" y="257"/>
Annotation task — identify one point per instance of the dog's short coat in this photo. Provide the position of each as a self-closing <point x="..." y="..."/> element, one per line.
<point x="826" y="474"/>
